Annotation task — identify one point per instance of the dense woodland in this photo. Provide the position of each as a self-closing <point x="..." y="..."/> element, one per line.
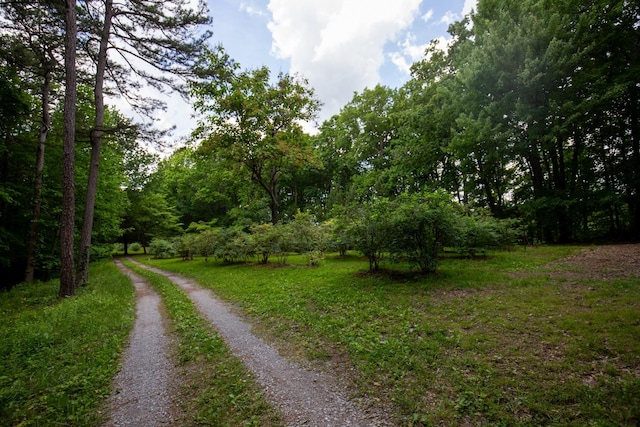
<point x="525" y="129"/>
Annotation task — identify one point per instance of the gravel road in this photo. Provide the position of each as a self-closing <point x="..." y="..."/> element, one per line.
<point x="306" y="398"/>
<point x="142" y="390"/>
<point x="142" y="395"/>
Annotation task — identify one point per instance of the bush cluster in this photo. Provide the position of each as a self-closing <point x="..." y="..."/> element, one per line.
<point x="411" y="228"/>
<point x="304" y="235"/>
<point x="415" y="228"/>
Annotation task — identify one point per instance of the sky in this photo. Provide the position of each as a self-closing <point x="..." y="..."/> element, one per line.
<point x="340" y="46"/>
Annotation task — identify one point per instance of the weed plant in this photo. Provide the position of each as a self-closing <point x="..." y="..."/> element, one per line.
<point x="60" y="356"/>
<point x="500" y="340"/>
<point x="217" y="389"/>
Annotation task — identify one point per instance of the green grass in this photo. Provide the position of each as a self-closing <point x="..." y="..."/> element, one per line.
<point x="494" y="341"/>
<point x="216" y="389"/>
<point x="58" y="357"/>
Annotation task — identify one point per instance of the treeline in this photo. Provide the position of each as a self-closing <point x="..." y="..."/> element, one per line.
<point x="410" y="229"/>
<point x="530" y="117"/>
<point x="59" y="60"/>
<point x="531" y="113"/>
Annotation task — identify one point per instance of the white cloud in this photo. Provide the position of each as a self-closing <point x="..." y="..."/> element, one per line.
<point x="338" y="44"/>
<point x="411" y="52"/>
<point x="468" y="6"/>
<point x="250" y="9"/>
<point x="408" y="53"/>
<point x="427" y="16"/>
<point x="449" y="18"/>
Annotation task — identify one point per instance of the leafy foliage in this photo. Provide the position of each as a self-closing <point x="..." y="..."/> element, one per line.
<point x="163" y="248"/>
<point x="256" y="123"/>
<point x="421" y="226"/>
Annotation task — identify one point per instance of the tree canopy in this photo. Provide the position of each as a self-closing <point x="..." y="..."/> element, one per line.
<point x="255" y="122"/>
<point x="529" y="116"/>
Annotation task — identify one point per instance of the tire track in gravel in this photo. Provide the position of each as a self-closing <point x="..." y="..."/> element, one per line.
<point x="306" y="398"/>
<point x="142" y="393"/>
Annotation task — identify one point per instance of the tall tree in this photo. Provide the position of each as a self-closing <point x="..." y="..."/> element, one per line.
<point x="67" y="283"/>
<point x="160" y="35"/>
<point x="33" y="42"/>
<point x="562" y="104"/>
<point x="201" y="185"/>
<point x="258" y="124"/>
<point x="357" y="147"/>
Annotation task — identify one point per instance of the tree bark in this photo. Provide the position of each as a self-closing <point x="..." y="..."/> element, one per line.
<point x="82" y="274"/>
<point x="32" y="241"/>
<point x="271" y="187"/>
<point x="67" y="285"/>
<point x="634" y="116"/>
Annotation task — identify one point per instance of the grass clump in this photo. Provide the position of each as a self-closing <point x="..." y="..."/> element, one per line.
<point x="216" y="388"/>
<point x="502" y="340"/>
<point x="60" y="356"/>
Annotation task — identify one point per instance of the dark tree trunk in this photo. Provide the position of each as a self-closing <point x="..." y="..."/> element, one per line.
<point x="271" y="187"/>
<point x="82" y="275"/>
<point x="32" y="241"/>
<point x="67" y="284"/>
<point x="634" y="117"/>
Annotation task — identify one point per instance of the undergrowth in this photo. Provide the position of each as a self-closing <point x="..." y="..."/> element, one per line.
<point x="60" y="356"/>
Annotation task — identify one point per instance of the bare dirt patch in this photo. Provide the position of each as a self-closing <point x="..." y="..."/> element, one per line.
<point x="607" y="262"/>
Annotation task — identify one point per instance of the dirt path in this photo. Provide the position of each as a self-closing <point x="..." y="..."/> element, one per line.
<point x="306" y="398"/>
<point x="142" y="389"/>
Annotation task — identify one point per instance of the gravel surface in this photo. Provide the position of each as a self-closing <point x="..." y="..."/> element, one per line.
<point x="142" y="389"/>
<point x="306" y="398"/>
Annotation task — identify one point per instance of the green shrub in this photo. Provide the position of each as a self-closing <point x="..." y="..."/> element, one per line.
<point x="185" y="245"/>
<point x="233" y="245"/>
<point x="162" y="249"/>
<point x="480" y="232"/>
<point x="369" y="229"/>
<point x="412" y="228"/>
<point x="135" y="247"/>
<point x="101" y="251"/>
<point x="420" y="226"/>
<point x="267" y="239"/>
<point x="308" y="237"/>
<point x="340" y="240"/>
<point x="205" y="242"/>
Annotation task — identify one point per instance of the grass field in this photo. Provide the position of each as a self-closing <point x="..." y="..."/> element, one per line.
<point x="510" y="339"/>
<point x="502" y="340"/>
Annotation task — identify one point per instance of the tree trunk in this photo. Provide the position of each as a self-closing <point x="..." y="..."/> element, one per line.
<point x="67" y="286"/>
<point x="273" y="192"/>
<point x="565" y="225"/>
<point x="32" y="241"/>
<point x="634" y="116"/>
<point x="82" y="275"/>
<point x="271" y="187"/>
<point x="486" y="184"/>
